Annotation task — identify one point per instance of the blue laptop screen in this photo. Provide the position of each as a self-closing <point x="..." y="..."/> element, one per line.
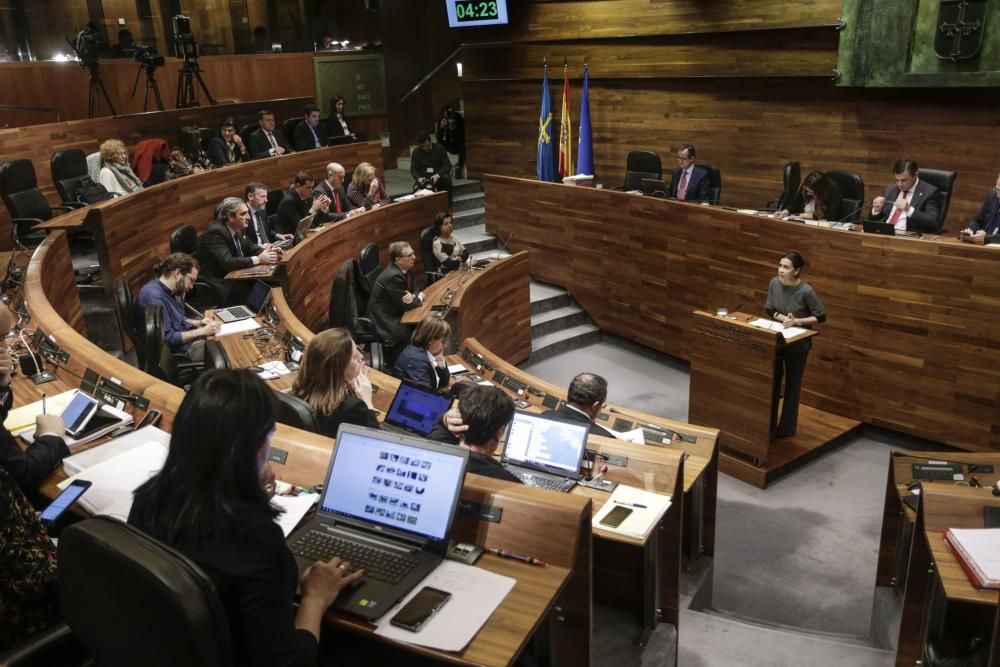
<point x="416" y="409"/>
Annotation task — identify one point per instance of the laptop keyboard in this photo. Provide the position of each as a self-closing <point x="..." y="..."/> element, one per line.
<point x="540" y="482"/>
<point x="239" y="311"/>
<point x="377" y="563"/>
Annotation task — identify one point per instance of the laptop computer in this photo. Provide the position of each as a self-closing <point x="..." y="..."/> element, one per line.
<point x="387" y="507"/>
<point x="414" y="410"/>
<point x="255" y="304"/>
<point x="653" y="186"/>
<point x="301" y="229"/>
<point x="545" y="452"/>
<point x="878" y="227"/>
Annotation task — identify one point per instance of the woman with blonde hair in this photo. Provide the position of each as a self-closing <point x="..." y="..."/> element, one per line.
<point x="422" y="361"/>
<point x="333" y="380"/>
<point x="365" y="189"/>
<point x="116" y="175"/>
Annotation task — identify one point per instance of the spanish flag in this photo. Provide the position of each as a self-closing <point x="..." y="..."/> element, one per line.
<point x="565" y="129"/>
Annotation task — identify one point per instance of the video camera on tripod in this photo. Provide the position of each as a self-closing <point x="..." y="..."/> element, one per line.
<point x="147" y="56"/>
<point x="148" y="60"/>
<point x="186" y="47"/>
<point x="87" y="46"/>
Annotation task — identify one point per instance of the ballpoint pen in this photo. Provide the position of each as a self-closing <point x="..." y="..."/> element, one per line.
<point x="43" y="403"/>
<point x="530" y="560"/>
<point x="624" y="504"/>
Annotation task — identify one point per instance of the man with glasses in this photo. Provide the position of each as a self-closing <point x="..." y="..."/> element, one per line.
<point x="394" y="293"/>
<point x="688" y="182"/>
<point x="584" y="402"/>
<point x="175" y="277"/>
<point x="986" y="223"/>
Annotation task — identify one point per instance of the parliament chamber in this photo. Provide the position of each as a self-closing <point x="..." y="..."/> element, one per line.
<point x="905" y="359"/>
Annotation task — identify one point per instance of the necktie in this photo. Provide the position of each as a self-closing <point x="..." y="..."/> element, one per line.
<point x="239" y="246"/>
<point x="270" y="137"/>
<point x="262" y="237"/>
<point x="315" y="136"/>
<point x="232" y="152"/>
<point x="336" y="202"/>
<point x="682" y="190"/>
<point x="897" y="212"/>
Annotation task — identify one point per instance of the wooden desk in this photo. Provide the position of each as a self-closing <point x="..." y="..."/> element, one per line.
<point x="257" y="272"/>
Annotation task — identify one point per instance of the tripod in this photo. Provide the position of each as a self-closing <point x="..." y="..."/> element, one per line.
<point x="151" y="85"/>
<point x="97" y="86"/>
<point x="187" y="94"/>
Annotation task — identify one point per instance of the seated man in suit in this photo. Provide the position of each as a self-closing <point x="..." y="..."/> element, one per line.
<point x="688" y="182"/>
<point x="299" y="202"/>
<point x="224" y="248"/>
<point x="430" y="167"/>
<point x="916" y="206"/>
<point x="478" y="424"/>
<point x="310" y="134"/>
<point x="394" y="293"/>
<point x="260" y="231"/>
<point x="28" y="467"/>
<point x="584" y="400"/>
<point x="333" y="187"/>
<point x="264" y="142"/>
<point x="175" y="277"/>
<point x="229" y="148"/>
<point x="986" y="223"/>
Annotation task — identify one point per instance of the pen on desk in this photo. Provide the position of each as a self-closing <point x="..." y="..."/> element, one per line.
<point x="43" y="403"/>
<point x="636" y="505"/>
<point x="530" y="560"/>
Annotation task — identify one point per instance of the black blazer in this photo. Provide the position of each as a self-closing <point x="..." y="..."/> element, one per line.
<point x="217" y="256"/>
<point x="345" y="203"/>
<point x="412" y="364"/>
<point x="487" y="466"/>
<point x="259" y="146"/>
<point x="218" y="153"/>
<point x="352" y="411"/>
<point x="386" y="307"/>
<point x="28" y="467"/>
<point x="335" y="129"/>
<point x="302" y="138"/>
<point x="251" y="231"/>
<point x="566" y="413"/>
<point x="926" y="203"/>
<point x="291" y="210"/>
<point x="697" y="187"/>
<point x="986" y="214"/>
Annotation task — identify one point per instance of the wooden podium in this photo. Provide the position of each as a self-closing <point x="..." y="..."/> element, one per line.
<point x="735" y="388"/>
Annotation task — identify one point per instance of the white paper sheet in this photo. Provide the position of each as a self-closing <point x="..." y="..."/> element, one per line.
<point x="475" y="595"/>
<point x="774" y="325"/>
<point x="23" y="418"/>
<point x="114" y="480"/>
<point x="457" y="369"/>
<point x="95" y="455"/>
<point x="647" y="508"/>
<point x="239" y="326"/>
<point x="635" y="436"/>
<point x="295" y="508"/>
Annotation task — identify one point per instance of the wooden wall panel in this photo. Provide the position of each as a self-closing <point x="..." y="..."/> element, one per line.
<point x="495" y="308"/>
<point x="912" y="340"/>
<point x="59" y="284"/>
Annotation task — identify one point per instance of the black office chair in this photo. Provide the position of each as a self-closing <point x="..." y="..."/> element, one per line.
<point x="164" y="610"/>
<point x="25" y="202"/>
<point x="207" y="134"/>
<point x="714" y="182"/>
<point x="369" y="265"/>
<point x="640" y="165"/>
<point x="294" y="411"/>
<point x="215" y="356"/>
<point x="945" y="182"/>
<point x="431" y="266"/>
<point x="125" y="315"/>
<point x="288" y="129"/>
<point x="160" y="362"/>
<point x="203" y="295"/>
<point x="348" y="299"/>
<point x="184" y="239"/>
<point x="247" y="130"/>
<point x="69" y="173"/>
<point x="55" y="646"/>
<point x="274" y="198"/>
<point x="851" y="185"/>
<point x="791" y="179"/>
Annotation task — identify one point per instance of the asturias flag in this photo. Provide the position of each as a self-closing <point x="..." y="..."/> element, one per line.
<point x="545" y="165"/>
<point x="585" y="154"/>
<point x="565" y="130"/>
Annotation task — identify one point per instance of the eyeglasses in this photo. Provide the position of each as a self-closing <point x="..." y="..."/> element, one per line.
<point x="412" y="254"/>
<point x="681" y="158"/>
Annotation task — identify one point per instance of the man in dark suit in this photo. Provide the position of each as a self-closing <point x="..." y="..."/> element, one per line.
<point x="333" y="187"/>
<point x="310" y="134"/>
<point x="264" y="141"/>
<point x="431" y="167"/>
<point x="259" y="231"/>
<point x="986" y="223"/>
<point x="299" y="202"/>
<point x="916" y="205"/>
<point x="228" y="148"/>
<point x="224" y="248"/>
<point x="688" y="182"/>
<point x="394" y="294"/>
<point x="584" y="401"/>
<point x="478" y="424"/>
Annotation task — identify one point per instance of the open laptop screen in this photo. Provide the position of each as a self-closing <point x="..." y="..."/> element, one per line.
<point x="374" y="477"/>
<point x="546" y="443"/>
<point x="258" y="295"/>
<point x="416" y="408"/>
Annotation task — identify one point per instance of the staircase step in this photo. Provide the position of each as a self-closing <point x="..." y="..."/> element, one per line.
<point x="571" y="338"/>
<point x="464" y="186"/>
<point x="557" y="319"/>
<point x="403" y="163"/>
<point x="468" y="201"/>
<point x="470" y="218"/>
<point x="548" y="297"/>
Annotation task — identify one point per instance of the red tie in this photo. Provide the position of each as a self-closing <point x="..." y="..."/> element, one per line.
<point x="682" y="190"/>
<point x="336" y="202"/>
<point x="897" y="212"/>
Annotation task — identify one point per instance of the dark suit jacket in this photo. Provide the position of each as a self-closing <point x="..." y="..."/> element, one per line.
<point x="697" y="187"/>
<point x="345" y="203"/>
<point x="479" y="464"/>
<point x="568" y="414"/>
<point x="259" y="146"/>
<point x="217" y="256"/>
<point x="386" y="307"/>
<point x="926" y="203"/>
<point x="218" y="152"/>
<point x="31" y="466"/>
<point x="334" y="128"/>
<point x="251" y="232"/>
<point x="352" y="411"/>
<point x="412" y="364"/>
<point x="986" y="214"/>
<point x="302" y="138"/>
<point x="291" y="210"/>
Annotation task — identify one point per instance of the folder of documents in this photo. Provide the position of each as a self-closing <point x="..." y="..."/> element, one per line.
<point x="647" y="509"/>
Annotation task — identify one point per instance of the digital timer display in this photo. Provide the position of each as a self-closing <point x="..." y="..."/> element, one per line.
<point x="465" y="13"/>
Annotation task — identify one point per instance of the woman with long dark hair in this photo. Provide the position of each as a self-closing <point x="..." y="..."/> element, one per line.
<point x="819" y="198"/>
<point x="336" y="122"/>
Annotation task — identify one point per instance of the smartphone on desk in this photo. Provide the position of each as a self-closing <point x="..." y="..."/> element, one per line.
<point x="63" y="501"/>
<point x="614" y="518"/>
<point x="420" y="609"/>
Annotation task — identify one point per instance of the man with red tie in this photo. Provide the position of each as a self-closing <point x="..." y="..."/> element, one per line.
<point x="916" y="204"/>
<point x="688" y="183"/>
<point x="333" y="187"/>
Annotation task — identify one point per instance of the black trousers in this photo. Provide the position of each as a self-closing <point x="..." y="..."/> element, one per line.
<point x="791" y="366"/>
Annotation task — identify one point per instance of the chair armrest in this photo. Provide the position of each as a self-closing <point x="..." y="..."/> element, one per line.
<point x="73" y="205"/>
<point x="364" y="329"/>
<point x="33" y="221"/>
<point x="33" y="649"/>
<point x="66" y="207"/>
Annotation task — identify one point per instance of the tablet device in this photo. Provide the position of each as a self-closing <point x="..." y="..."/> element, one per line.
<point x="78" y="413"/>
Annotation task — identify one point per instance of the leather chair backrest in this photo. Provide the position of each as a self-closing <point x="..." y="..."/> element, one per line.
<point x="852" y="186"/>
<point x="344" y="307"/>
<point x="369" y="264"/>
<point x="184" y="239"/>
<point x="274" y="198"/>
<point x="125" y="310"/>
<point x="288" y="128"/>
<point x="791" y="180"/>
<point x="247" y="130"/>
<point x="131" y="599"/>
<point x="640" y="165"/>
<point x="159" y="360"/>
<point x="207" y="134"/>
<point x="850" y="211"/>
<point x="714" y="182"/>
<point x="427" y="235"/>
<point x="944" y="181"/>
<point x="19" y="189"/>
<point x="69" y="169"/>
<point x="294" y="411"/>
<point x="215" y="356"/>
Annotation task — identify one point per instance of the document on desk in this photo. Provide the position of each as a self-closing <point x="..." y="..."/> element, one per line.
<point x="112" y="448"/>
<point x="475" y="595"/>
<point x="114" y="480"/>
<point x="635" y="436"/>
<point x="457" y="369"/>
<point x="22" y="419"/>
<point x="978" y="552"/>
<point x="647" y="509"/>
<point x="773" y="325"/>
<point x="239" y="326"/>
<point x="295" y="508"/>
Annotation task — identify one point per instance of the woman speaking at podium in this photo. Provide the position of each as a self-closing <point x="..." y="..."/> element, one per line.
<point x="793" y="302"/>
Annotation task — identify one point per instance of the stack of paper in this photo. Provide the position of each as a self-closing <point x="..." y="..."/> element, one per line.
<point x="95" y="455"/>
<point x="23" y="418"/>
<point x="114" y="480"/>
<point x="790" y="332"/>
<point x="647" y="509"/>
<point x="978" y="552"/>
<point x="239" y="326"/>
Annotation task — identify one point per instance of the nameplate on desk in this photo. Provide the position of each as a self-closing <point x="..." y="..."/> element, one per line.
<point x="481" y="511"/>
<point x="277" y="455"/>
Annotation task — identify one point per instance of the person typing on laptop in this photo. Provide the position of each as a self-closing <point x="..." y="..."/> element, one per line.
<point x="208" y="502"/>
<point x="484" y="413"/>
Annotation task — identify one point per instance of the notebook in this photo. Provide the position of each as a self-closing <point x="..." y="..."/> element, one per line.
<point x="978" y="552"/>
<point x="545" y="452"/>
<point x="415" y="409"/>
<point x="255" y="304"/>
<point x="387" y="507"/>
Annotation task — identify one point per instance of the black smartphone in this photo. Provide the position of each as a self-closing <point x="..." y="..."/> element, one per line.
<point x="439" y="308"/>
<point x="63" y="501"/>
<point x="151" y="418"/>
<point x="614" y="518"/>
<point x="420" y="609"/>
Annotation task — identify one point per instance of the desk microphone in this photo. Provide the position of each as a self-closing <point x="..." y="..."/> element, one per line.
<point x="503" y="246"/>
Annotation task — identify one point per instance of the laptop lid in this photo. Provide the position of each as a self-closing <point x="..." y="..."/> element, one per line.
<point x="394" y="485"/>
<point x="546" y="444"/>
<point x="303" y="228"/>
<point x="652" y="185"/>
<point x="878" y="227"/>
<point x="258" y="296"/>
<point x="416" y="408"/>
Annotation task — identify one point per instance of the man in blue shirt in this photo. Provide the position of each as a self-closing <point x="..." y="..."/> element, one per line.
<point x="175" y="277"/>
